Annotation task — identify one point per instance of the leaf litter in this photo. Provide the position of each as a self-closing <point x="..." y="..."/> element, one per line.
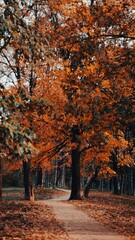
<point x="115" y="211"/>
<point x="24" y="220"/>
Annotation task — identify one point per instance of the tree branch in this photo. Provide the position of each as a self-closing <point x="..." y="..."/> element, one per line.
<point x="86" y="148"/>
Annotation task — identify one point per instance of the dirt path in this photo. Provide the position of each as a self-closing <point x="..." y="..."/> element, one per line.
<point x="79" y="225"/>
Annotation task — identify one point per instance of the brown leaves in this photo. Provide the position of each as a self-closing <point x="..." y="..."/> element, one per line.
<point x="24" y="220"/>
<point x="116" y="212"/>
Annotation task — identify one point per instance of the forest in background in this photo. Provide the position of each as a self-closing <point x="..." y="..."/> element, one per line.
<point x="67" y="93"/>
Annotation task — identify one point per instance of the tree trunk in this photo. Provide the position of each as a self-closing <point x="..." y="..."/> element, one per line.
<point x="0" y="180"/>
<point x="133" y="181"/>
<point x="115" y="178"/>
<point x="87" y="187"/>
<point x="89" y="183"/>
<point x="121" y="183"/>
<point x="115" y="185"/>
<point x="39" y="177"/>
<point x="28" y="185"/>
<point x="75" y="169"/>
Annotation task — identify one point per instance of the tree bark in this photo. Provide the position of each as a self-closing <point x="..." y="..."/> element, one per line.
<point x="121" y="183"/>
<point x="115" y="185"/>
<point x="115" y="178"/>
<point x="75" y="169"/>
<point x="89" y="183"/>
<point x="28" y="185"/>
<point x="0" y="180"/>
<point x="39" y="177"/>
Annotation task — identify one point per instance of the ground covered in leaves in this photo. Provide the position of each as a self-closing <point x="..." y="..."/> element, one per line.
<point x="116" y="212"/>
<point x="39" y="192"/>
<point x="25" y="220"/>
<point x="31" y="221"/>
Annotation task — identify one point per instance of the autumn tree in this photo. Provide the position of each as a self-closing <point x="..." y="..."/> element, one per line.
<point x="75" y="58"/>
<point x="94" y="60"/>
<point x="95" y="46"/>
<point x="15" y="140"/>
<point x="23" y="49"/>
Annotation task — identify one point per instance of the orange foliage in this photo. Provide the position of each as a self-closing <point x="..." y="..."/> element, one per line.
<point x="80" y="61"/>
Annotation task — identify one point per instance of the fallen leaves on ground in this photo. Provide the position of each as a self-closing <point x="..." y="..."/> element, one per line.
<point x="116" y="212"/>
<point x="46" y="193"/>
<point x="40" y="193"/>
<point x="29" y="220"/>
<point x="25" y="220"/>
<point x="35" y="221"/>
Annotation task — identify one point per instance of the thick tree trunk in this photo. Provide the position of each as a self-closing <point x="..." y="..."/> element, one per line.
<point x="75" y="188"/>
<point x="75" y="169"/>
<point x="28" y="185"/>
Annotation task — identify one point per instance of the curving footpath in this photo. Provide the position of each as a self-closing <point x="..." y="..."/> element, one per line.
<point x="77" y="224"/>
